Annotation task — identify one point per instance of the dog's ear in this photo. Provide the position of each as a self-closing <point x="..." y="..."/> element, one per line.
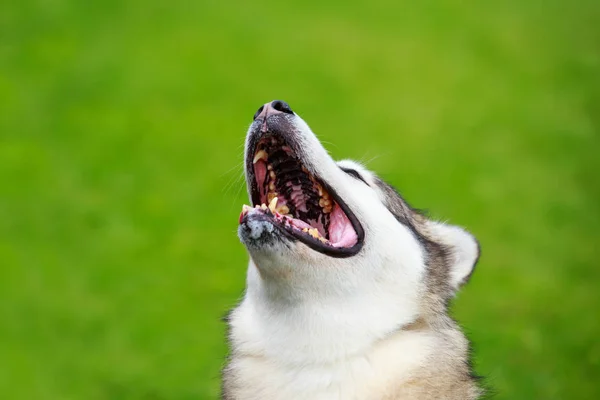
<point x="462" y="251"/>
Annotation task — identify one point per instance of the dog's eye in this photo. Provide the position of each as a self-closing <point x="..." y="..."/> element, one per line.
<point x="354" y="173"/>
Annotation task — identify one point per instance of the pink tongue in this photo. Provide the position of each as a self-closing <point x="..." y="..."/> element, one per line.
<point x="341" y="232"/>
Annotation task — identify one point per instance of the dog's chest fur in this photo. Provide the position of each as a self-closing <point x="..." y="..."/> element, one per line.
<point x="413" y="363"/>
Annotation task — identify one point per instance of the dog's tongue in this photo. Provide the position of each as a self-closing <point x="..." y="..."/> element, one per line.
<point x="341" y="232"/>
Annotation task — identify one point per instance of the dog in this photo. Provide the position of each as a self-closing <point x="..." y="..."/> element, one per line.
<point x="348" y="287"/>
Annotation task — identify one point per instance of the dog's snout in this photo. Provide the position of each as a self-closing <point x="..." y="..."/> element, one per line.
<point x="272" y="108"/>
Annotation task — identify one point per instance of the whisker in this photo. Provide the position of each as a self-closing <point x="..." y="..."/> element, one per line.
<point x="370" y="160"/>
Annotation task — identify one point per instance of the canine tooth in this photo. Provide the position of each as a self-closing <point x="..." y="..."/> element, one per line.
<point x="273" y="204"/>
<point x="260" y="155"/>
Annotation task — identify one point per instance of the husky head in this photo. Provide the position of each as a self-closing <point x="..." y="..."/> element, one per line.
<point x="335" y="235"/>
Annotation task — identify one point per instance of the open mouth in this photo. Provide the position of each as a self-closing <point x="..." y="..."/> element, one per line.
<point x="298" y="203"/>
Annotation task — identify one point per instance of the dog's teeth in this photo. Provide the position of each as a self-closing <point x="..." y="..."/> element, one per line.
<point x="305" y="230"/>
<point x="314" y="232"/>
<point x="264" y="207"/>
<point x="322" y="239"/>
<point x="284" y="210"/>
<point x="271" y="196"/>
<point x="246" y="209"/>
<point x="322" y="192"/>
<point x="272" y="174"/>
<point x="260" y="155"/>
<point x="271" y="186"/>
<point x="324" y="203"/>
<point x="269" y="167"/>
<point x="273" y="204"/>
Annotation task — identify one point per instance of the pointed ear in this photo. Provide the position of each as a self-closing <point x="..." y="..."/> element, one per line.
<point x="463" y="251"/>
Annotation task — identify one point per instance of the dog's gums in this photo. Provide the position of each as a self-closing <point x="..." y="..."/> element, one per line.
<point x="294" y="200"/>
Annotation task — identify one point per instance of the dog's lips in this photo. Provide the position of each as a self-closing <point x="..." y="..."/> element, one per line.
<point x="341" y="232"/>
<point x="300" y="205"/>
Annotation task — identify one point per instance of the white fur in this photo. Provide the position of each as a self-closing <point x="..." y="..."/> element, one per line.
<point x="274" y="368"/>
<point x="315" y="327"/>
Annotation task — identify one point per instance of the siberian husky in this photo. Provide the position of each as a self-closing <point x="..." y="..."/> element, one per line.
<point x="347" y="286"/>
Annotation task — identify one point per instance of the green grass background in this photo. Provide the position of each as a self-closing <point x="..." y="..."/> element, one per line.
<point x="121" y="130"/>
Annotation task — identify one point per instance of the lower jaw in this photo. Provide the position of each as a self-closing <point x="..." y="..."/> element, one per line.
<point x="295" y="228"/>
<point x="293" y="234"/>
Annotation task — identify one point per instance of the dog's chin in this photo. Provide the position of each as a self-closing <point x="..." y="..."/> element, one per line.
<point x="260" y="235"/>
<point x="274" y="249"/>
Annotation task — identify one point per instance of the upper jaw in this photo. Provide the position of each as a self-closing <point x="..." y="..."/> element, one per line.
<point x="279" y="124"/>
<point x="310" y="154"/>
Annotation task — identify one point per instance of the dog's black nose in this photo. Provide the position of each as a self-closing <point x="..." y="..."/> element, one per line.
<point x="282" y="106"/>
<point x="274" y="107"/>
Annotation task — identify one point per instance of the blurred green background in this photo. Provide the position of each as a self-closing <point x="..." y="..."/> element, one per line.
<point x="121" y="130"/>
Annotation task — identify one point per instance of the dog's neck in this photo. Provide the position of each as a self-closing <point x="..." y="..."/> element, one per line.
<point x="318" y="350"/>
<point x="288" y="345"/>
<point x="295" y="324"/>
